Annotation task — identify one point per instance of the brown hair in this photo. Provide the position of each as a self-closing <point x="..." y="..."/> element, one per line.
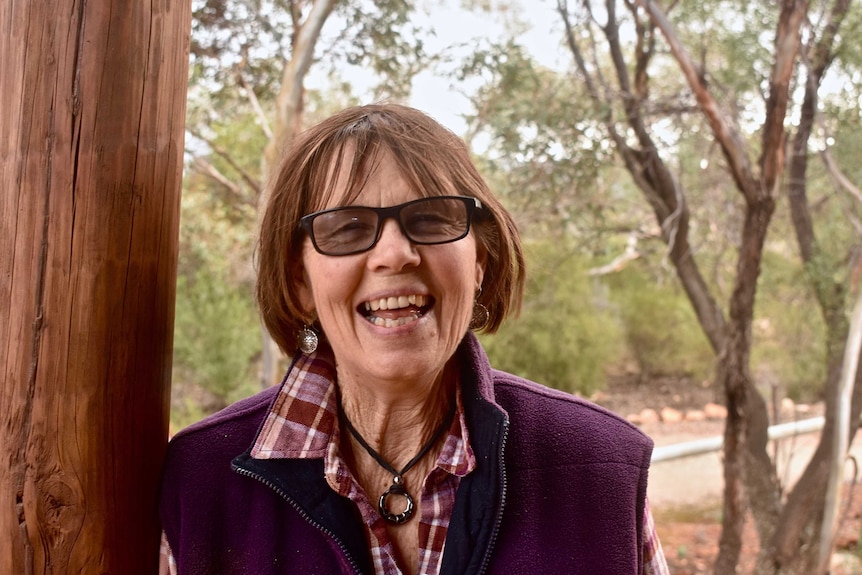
<point x="432" y="159"/>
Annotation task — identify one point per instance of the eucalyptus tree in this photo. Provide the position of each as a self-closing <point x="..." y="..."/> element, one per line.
<point x="753" y="149"/>
<point x="695" y="101"/>
<point x="250" y="60"/>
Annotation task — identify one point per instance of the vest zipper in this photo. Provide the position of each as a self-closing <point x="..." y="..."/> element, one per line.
<point x="302" y="513"/>
<point x="499" y="519"/>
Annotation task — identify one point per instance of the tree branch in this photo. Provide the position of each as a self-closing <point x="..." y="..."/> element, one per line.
<point x="630" y="254"/>
<point x="206" y="168"/>
<point x="787" y="36"/>
<point x="250" y="180"/>
<point x="728" y="137"/>
<point x="648" y="170"/>
<point x="839" y="175"/>
<point x="255" y="105"/>
<point x="289" y="100"/>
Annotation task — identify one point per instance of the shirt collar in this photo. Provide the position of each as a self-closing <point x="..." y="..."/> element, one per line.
<point x="303" y="420"/>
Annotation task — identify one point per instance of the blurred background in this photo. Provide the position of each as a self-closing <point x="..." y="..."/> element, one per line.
<point x="688" y="199"/>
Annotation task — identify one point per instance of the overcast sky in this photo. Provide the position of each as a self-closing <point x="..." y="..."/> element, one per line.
<point x="453" y="26"/>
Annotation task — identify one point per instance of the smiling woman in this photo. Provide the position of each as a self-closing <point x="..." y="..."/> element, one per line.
<point x="392" y="446"/>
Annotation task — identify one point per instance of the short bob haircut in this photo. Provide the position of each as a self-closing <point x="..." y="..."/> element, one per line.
<point x="432" y="159"/>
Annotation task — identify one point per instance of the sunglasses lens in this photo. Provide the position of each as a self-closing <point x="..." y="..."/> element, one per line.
<point x="435" y="220"/>
<point x="345" y="231"/>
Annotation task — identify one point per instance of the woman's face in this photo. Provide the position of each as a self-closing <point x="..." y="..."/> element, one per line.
<point x="397" y="312"/>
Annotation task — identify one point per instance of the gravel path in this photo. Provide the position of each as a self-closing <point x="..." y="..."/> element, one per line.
<point x="698" y="479"/>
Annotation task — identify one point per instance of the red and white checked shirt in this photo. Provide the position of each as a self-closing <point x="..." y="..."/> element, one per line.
<point x="303" y="424"/>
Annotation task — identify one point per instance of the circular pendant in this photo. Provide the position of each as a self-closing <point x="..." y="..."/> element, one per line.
<point x="396" y="518"/>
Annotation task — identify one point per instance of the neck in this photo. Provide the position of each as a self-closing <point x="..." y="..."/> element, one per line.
<point x="397" y="425"/>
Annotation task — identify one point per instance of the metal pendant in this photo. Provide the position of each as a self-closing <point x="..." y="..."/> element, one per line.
<point x="397" y="488"/>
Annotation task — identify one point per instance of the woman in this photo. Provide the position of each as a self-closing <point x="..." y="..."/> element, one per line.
<point x="392" y="446"/>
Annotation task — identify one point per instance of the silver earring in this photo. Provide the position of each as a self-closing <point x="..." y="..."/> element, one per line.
<point x="480" y="317"/>
<point x="308" y="340"/>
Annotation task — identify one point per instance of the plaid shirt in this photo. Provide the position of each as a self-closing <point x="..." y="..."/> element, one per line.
<point x="303" y="423"/>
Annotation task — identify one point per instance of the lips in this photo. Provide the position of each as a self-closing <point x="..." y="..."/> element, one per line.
<point x="395" y="311"/>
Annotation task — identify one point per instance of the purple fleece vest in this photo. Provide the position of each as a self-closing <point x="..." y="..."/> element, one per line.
<point x="560" y="487"/>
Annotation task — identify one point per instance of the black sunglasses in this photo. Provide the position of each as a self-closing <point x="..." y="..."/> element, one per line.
<point x="426" y="221"/>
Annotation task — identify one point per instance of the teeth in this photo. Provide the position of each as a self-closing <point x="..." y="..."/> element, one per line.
<point x="398" y="302"/>
<point x="386" y="322"/>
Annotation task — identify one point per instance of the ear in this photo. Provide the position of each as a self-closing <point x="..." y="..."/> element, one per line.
<point x="481" y="262"/>
<point x="304" y="290"/>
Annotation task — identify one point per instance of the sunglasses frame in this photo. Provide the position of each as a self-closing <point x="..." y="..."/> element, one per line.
<point x="471" y="204"/>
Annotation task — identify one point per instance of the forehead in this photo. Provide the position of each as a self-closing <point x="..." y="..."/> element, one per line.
<point x="379" y="177"/>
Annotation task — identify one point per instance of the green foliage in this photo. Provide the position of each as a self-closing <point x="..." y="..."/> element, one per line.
<point x="837" y="210"/>
<point x="541" y="142"/>
<point x="233" y="39"/>
<point x="381" y="37"/>
<point x="789" y="331"/>
<point x="660" y="329"/>
<point x="544" y="147"/>
<point x="216" y="337"/>
<point x="216" y="331"/>
<point x="736" y="52"/>
<point x="566" y="334"/>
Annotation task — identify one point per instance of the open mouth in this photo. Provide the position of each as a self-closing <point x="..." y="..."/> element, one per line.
<point x="396" y="310"/>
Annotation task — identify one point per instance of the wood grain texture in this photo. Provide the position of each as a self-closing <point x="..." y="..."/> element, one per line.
<point x="91" y="143"/>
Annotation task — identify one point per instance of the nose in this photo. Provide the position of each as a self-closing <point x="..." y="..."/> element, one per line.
<point x="393" y="250"/>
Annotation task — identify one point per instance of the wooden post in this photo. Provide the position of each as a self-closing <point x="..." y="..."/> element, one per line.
<point x="92" y="104"/>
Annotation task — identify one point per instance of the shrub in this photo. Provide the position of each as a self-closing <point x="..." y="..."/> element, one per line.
<point x="660" y="329"/>
<point x="216" y="337"/>
<point x="566" y="334"/>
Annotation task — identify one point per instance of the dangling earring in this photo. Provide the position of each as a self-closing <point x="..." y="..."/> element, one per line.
<point x="480" y="314"/>
<point x="307" y="340"/>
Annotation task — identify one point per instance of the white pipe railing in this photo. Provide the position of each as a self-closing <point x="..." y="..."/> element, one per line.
<point x="710" y="444"/>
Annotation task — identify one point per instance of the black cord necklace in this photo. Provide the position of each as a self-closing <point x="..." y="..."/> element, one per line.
<point x="397" y="487"/>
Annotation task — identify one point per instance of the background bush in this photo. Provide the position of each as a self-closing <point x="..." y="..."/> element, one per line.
<point x="567" y="333"/>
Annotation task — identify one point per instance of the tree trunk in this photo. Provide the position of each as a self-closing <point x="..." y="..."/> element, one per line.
<point x="793" y="547"/>
<point x="91" y="123"/>
<point x="748" y="472"/>
<point x="288" y="120"/>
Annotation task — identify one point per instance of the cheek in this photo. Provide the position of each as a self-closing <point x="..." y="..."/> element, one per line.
<point x="464" y="274"/>
<point x="327" y="284"/>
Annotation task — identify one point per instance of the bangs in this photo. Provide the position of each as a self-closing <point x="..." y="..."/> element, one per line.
<point x="348" y="164"/>
<point x="344" y="165"/>
<point x="331" y="163"/>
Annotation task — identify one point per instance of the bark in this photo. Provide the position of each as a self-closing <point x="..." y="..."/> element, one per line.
<point x="749" y="472"/>
<point x="749" y="475"/>
<point x="289" y="102"/>
<point x="289" y="107"/>
<point x="803" y="509"/>
<point x="787" y="42"/>
<point x="794" y="546"/>
<point x="91" y="124"/>
<point x="840" y="438"/>
<point x="648" y="171"/>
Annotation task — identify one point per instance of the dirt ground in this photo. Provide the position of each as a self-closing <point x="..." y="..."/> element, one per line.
<point x="690" y="537"/>
<point x="685" y="495"/>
